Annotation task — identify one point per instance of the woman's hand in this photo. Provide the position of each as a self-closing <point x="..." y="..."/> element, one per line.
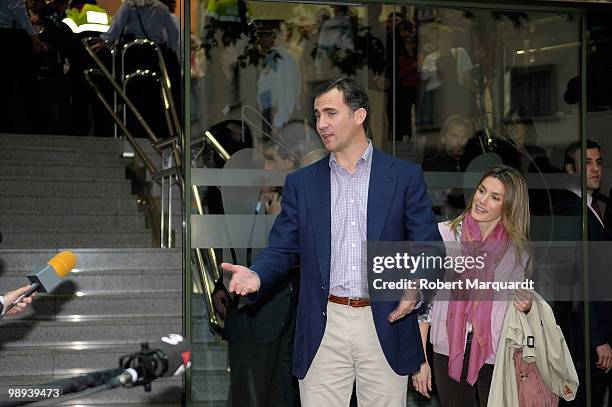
<point x="422" y="380"/>
<point x="523" y="300"/>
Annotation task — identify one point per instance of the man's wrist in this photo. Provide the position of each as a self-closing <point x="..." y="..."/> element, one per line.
<point x="258" y="279"/>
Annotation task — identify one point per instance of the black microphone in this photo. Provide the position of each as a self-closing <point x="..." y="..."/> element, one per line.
<point x="170" y="357"/>
<point x="74" y="384"/>
<point x="86" y="381"/>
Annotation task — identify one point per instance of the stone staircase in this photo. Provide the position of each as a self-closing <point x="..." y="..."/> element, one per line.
<point x="116" y="299"/>
<point x="63" y="193"/>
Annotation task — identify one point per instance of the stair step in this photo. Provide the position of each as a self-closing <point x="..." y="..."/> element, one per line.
<point x="100" y="188"/>
<point x="63" y="238"/>
<point x="79" y="221"/>
<point x="79" y="359"/>
<point x="10" y="204"/>
<point x="90" y="282"/>
<point x="71" y="304"/>
<point x="45" y="156"/>
<point x="94" y="259"/>
<point x="80" y="172"/>
<point x="94" y="331"/>
<point x="37" y="141"/>
<point x="67" y="192"/>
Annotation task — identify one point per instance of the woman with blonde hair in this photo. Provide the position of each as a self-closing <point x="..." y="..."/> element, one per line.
<point x="466" y="324"/>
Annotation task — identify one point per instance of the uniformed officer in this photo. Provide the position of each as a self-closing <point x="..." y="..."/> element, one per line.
<point x="85" y="18"/>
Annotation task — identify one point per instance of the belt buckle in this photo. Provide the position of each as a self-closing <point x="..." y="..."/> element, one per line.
<point x="353" y="301"/>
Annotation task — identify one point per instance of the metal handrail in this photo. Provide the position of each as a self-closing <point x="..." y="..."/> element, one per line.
<point x="214" y="143"/>
<point x="278" y="139"/>
<point x="113" y="52"/>
<point x="119" y="91"/>
<point x="169" y="102"/>
<point x="175" y="142"/>
<point x="211" y="274"/>
<point x="207" y="275"/>
<point x="172" y="121"/>
<point x="128" y="135"/>
<point x="156" y="78"/>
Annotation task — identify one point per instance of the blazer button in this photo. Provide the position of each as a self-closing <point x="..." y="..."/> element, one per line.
<point x="323" y="287"/>
<point x="324" y="315"/>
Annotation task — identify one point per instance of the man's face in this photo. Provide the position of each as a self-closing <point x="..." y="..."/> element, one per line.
<point x="393" y="22"/>
<point x="593" y="162"/>
<point x="455" y="139"/>
<point x="337" y="125"/>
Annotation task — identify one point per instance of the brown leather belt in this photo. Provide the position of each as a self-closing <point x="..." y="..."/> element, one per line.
<point x="351" y="302"/>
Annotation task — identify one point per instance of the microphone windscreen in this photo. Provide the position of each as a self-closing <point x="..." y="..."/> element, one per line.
<point x="178" y="354"/>
<point x="63" y="263"/>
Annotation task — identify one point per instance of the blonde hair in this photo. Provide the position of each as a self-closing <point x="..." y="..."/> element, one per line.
<point x="515" y="208"/>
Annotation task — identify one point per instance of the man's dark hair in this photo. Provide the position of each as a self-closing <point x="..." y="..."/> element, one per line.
<point x="355" y="96"/>
<point x="570" y="151"/>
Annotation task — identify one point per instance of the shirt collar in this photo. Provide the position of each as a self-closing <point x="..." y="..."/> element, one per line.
<point x="579" y="193"/>
<point x="365" y="158"/>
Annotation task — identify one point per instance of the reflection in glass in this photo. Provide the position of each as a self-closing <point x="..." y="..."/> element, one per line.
<point x="457" y="90"/>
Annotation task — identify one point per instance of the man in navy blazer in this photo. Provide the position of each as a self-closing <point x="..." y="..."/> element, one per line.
<point x="359" y="192"/>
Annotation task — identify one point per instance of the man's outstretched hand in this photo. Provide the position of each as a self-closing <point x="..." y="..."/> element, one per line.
<point x="244" y="281"/>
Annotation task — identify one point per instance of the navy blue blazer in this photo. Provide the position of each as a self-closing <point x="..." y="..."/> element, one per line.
<point x="399" y="209"/>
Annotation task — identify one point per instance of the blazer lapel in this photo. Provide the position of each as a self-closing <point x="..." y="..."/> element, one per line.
<point x="380" y="193"/>
<point x="319" y="208"/>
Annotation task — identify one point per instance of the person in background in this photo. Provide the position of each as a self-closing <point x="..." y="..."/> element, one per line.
<point x="147" y="19"/>
<point x="152" y="20"/>
<point x="447" y="78"/>
<point x="36" y="10"/>
<point x="18" y="42"/>
<point x="85" y="18"/>
<point x="278" y="85"/>
<point x="569" y="203"/>
<point x="259" y="336"/>
<point x="466" y="324"/>
<point x="454" y="135"/>
<point x="336" y="38"/>
<point x="407" y="81"/>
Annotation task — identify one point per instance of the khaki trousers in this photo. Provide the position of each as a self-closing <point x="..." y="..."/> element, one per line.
<point x="350" y="351"/>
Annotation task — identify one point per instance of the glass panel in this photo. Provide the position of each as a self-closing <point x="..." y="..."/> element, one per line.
<point x="495" y="87"/>
<point x="457" y="90"/>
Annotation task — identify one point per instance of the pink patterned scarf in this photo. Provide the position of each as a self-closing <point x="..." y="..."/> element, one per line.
<point x="474" y="306"/>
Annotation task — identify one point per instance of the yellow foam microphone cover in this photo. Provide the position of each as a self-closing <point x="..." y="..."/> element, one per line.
<point x="63" y="263"/>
